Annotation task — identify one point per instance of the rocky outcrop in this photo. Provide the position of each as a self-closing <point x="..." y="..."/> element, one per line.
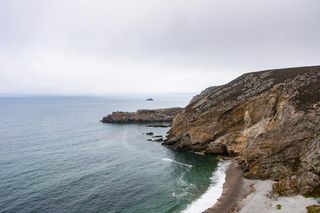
<point x="269" y="119"/>
<point x="143" y="115"/>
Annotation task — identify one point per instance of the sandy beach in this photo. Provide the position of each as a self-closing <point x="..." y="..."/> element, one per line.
<point x="261" y="201"/>
<point x="248" y="196"/>
<point x="233" y="190"/>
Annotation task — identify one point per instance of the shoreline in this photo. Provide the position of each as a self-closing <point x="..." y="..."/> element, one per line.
<point x="245" y="196"/>
<point x="233" y="190"/>
<point x="213" y="192"/>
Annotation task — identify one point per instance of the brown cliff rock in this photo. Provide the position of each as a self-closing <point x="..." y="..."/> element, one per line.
<point x="270" y="119"/>
<point x="143" y="115"/>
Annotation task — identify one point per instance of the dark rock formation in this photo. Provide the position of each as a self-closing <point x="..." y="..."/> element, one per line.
<point x="159" y="125"/>
<point x="158" y="140"/>
<point x="270" y="119"/>
<point x="143" y="116"/>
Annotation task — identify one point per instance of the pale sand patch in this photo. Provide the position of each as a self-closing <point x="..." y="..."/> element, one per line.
<point x="258" y="201"/>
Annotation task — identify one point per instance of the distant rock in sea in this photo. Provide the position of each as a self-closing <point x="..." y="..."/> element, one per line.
<point x="149" y="99"/>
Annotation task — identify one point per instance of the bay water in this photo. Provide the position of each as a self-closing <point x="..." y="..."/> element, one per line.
<point x="55" y="156"/>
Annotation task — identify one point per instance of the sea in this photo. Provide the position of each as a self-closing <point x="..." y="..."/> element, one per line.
<point x="56" y="156"/>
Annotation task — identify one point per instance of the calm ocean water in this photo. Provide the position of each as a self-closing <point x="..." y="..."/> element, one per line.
<point x="55" y="156"/>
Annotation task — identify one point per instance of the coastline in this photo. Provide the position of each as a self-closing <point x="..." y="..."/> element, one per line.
<point x="233" y="190"/>
<point x="245" y="196"/>
<point x="214" y="191"/>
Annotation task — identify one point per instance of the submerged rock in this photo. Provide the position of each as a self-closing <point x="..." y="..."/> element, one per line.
<point x="158" y="140"/>
<point x="270" y="119"/>
<point x="143" y="116"/>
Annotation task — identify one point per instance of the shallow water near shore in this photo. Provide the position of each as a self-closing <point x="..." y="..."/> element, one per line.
<point x="55" y="156"/>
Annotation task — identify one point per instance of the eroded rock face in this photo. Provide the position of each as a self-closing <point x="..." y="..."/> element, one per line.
<point x="143" y="115"/>
<point x="270" y="119"/>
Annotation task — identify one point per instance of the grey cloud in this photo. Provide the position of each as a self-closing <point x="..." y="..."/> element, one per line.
<point x="213" y="38"/>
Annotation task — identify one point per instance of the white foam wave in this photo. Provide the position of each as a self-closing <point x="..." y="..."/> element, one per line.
<point x="210" y="197"/>
<point x="176" y="162"/>
<point x="179" y="195"/>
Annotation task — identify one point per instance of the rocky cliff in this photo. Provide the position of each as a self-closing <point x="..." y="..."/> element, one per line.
<point x="143" y="115"/>
<point x="269" y="119"/>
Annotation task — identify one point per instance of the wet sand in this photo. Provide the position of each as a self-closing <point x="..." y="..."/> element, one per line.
<point x="233" y="191"/>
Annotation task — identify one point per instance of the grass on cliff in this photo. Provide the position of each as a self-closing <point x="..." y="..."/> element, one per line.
<point x="313" y="209"/>
<point x="314" y="193"/>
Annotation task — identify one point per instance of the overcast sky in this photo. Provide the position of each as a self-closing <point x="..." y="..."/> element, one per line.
<point x="122" y="46"/>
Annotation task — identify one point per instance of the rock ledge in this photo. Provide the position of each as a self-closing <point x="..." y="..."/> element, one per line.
<point x="143" y="116"/>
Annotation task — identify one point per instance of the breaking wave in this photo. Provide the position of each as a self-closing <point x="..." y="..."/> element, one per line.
<point x="210" y="197"/>
<point x="176" y="162"/>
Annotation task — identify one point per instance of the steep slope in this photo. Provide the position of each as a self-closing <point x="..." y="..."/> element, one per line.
<point x="270" y="119"/>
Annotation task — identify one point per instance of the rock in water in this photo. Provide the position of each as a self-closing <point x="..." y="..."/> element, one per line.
<point x="270" y="119"/>
<point x="159" y="125"/>
<point x="143" y="116"/>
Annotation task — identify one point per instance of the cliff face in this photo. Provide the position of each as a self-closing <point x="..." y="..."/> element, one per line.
<point x="143" y="115"/>
<point x="270" y="119"/>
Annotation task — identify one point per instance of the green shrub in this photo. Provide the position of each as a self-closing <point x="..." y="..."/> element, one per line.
<point x="313" y="209"/>
<point x="314" y="193"/>
<point x="279" y="207"/>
